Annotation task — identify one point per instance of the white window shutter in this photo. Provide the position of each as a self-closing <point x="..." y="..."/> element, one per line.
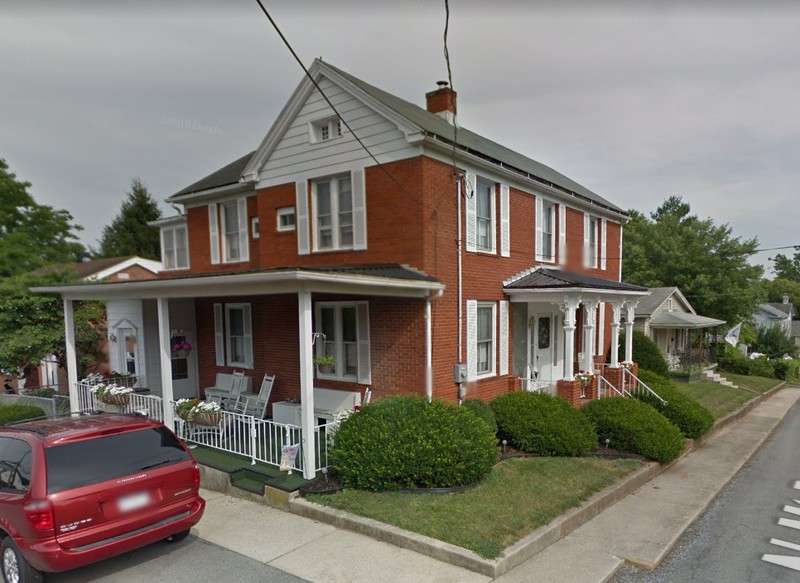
<point x="301" y="190"/>
<point x="472" y="340"/>
<point x="219" y="335"/>
<point x="603" y="244"/>
<point x="601" y="329"/>
<point x="562" y="234"/>
<point x="539" y="220"/>
<point x="472" y="212"/>
<point x="505" y="222"/>
<point x="244" y="240"/>
<point x="503" y="342"/>
<point x="587" y="261"/>
<point x="248" y="336"/>
<point x="358" y="187"/>
<point x="362" y="333"/>
<point x="213" y="232"/>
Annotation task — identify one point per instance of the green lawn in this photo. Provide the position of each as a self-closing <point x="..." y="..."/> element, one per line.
<point x="721" y="400"/>
<point x="518" y="496"/>
<point x="760" y="384"/>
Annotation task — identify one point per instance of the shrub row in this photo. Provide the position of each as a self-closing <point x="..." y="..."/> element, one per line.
<point x="11" y="413"/>
<point x="738" y="363"/>
<point x="648" y="355"/>
<point x="687" y="414"/>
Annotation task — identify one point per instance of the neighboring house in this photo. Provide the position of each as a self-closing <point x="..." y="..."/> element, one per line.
<point x="775" y="314"/>
<point x="796" y="331"/>
<point x="667" y="318"/>
<point x="417" y="276"/>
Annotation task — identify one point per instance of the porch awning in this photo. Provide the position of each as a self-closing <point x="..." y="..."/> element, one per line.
<point x="392" y="280"/>
<point x="554" y="281"/>
<point x="683" y="320"/>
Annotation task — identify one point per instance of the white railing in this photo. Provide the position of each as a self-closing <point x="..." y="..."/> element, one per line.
<point x="148" y="405"/>
<point x="606" y="389"/>
<point x="538" y="386"/>
<point x="633" y="385"/>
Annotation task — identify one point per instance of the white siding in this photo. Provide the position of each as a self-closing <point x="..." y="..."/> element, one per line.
<point x="131" y="312"/>
<point x="152" y="352"/>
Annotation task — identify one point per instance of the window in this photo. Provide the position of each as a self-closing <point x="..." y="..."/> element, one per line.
<point x="345" y="327"/>
<point x="484" y="204"/>
<point x="238" y="335"/>
<point x="127" y="355"/>
<point x="591" y="242"/>
<point x="333" y="213"/>
<point x="175" y="247"/>
<point x="286" y="218"/>
<point x="15" y="465"/>
<point x="256" y="227"/>
<point x="485" y="338"/>
<point x="548" y="251"/>
<point x="325" y="129"/>
<point x="230" y="232"/>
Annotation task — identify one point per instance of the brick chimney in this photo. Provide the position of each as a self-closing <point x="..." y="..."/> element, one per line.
<point x="785" y="299"/>
<point x="442" y="101"/>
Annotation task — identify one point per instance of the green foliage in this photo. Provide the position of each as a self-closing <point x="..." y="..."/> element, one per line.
<point x="129" y="233"/>
<point x="645" y="352"/>
<point x="773" y="290"/>
<point x="787" y="267"/>
<point x="407" y="442"/>
<point x="482" y="410"/>
<point x="543" y="424"/>
<point x="708" y="264"/>
<point x="687" y="414"/>
<point x="11" y="413"/>
<point x="730" y="359"/>
<point x="31" y="235"/>
<point x="787" y="370"/>
<point x="774" y="342"/>
<point x="44" y="392"/>
<point x="631" y="425"/>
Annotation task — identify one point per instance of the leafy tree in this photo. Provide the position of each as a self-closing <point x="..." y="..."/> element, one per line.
<point x="676" y="248"/>
<point x="129" y="233"/>
<point x="32" y="235"/>
<point x="773" y="290"/>
<point x="786" y="267"/>
<point x="774" y="342"/>
<point x="32" y="325"/>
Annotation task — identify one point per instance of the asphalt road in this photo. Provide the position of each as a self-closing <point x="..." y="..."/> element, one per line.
<point x="190" y="561"/>
<point x="728" y="543"/>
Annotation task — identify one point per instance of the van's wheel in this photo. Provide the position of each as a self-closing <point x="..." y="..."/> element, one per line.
<point x="178" y="536"/>
<point x="15" y="568"/>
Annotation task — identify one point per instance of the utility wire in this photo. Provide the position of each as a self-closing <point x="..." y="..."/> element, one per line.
<point x="456" y="172"/>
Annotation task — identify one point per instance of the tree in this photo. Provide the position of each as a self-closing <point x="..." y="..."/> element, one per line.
<point x="676" y="248"/>
<point x="32" y="235"/>
<point x="129" y="233"/>
<point x="774" y="341"/>
<point x="32" y="325"/>
<point x="787" y="268"/>
<point x="773" y="291"/>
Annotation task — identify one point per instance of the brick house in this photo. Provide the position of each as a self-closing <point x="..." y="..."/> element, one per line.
<point x="454" y="267"/>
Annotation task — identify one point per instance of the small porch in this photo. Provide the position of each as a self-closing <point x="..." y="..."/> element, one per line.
<point x="683" y="339"/>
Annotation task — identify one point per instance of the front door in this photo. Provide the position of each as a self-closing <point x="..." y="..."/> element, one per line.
<point x="543" y="350"/>
<point x="184" y="365"/>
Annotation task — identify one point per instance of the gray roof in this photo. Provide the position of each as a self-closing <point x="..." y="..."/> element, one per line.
<point x="544" y="278"/>
<point x="785" y="309"/>
<point x="387" y="270"/>
<point x="476" y="144"/>
<point x="649" y="304"/>
<point x="776" y="310"/>
<point x="683" y="320"/>
<point x="225" y="176"/>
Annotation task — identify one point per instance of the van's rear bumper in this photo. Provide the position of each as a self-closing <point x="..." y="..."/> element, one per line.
<point x="49" y="556"/>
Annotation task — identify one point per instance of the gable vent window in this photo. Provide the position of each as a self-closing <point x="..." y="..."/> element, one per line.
<point x="325" y="129"/>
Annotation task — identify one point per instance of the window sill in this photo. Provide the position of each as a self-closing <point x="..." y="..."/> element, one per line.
<point x="232" y="261"/>
<point x="337" y="250"/>
<point x="239" y="365"/>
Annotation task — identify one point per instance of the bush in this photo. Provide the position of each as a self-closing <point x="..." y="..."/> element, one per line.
<point x="407" y="442"/>
<point x="732" y="360"/>
<point x="483" y="411"/>
<point x="543" y="424"/>
<point x="682" y="410"/>
<point x="45" y="392"/>
<point x="634" y="426"/>
<point x="11" y="413"/>
<point x="645" y="352"/>
<point x="787" y="370"/>
<point x="774" y="341"/>
<point x="762" y="367"/>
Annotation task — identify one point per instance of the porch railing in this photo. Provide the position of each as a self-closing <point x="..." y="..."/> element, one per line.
<point x="606" y="389"/>
<point x="148" y="405"/>
<point x="537" y="386"/>
<point x="633" y="385"/>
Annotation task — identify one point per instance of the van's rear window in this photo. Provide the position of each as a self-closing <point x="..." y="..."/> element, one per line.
<point x="90" y="461"/>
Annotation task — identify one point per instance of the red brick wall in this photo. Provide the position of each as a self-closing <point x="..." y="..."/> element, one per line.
<point x="134" y="273"/>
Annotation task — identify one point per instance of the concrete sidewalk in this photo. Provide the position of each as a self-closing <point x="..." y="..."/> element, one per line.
<point x="641" y="528"/>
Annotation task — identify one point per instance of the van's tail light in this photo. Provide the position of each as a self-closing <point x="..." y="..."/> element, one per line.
<point x="196" y="476"/>
<point x="40" y="515"/>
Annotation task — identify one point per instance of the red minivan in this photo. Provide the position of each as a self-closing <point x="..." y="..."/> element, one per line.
<point x="82" y="488"/>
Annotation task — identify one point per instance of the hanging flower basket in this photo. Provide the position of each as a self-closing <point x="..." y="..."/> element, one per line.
<point x="207" y="419"/>
<point x="182" y="353"/>
<point x="112" y="394"/>
<point x="119" y="400"/>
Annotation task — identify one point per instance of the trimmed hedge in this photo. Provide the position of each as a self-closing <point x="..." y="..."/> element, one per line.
<point x="634" y="426"/>
<point x="482" y="410"/>
<point x="543" y="424"/>
<point x="11" y="413"/>
<point x="682" y="410"/>
<point x="407" y="442"/>
<point x="645" y="353"/>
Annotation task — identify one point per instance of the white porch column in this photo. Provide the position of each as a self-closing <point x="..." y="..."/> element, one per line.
<point x="72" y="357"/>
<point x="569" y="307"/>
<point x="165" y="358"/>
<point x="428" y="351"/>
<point x="590" y="316"/>
<point x="616" y="309"/>
<point x="629" y="307"/>
<point x="308" y="420"/>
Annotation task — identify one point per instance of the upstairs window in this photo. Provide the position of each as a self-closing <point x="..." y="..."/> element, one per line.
<point x="590" y="241"/>
<point x="333" y="213"/>
<point x="548" y="247"/>
<point x="484" y="209"/>
<point x="325" y="129"/>
<point x="286" y="220"/>
<point x="234" y="224"/>
<point x="175" y="247"/>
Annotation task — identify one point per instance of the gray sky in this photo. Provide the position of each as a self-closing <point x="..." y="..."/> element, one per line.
<point x="635" y="100"/>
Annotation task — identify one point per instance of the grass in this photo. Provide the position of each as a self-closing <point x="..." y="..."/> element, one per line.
<point x="229" y="462"/>
<point x="760" y="384"/>
<point x="518" y="496"/>
<point x="721" y="400"/>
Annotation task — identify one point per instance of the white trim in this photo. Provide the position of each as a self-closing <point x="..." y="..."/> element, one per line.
<point x="247" y="335"/>
<point x="244" y="230"/>
<point x="301" y="218"/>
<point x="493" y="353"/>
<point x="335" y="226"/>
<point x="601" y="329"/>
<point x="471" y="213"/>
<point x="285" y="212"/>
<point x="491" y="189"/>
<point x="603" y="236"/>
<point x="505" y="221"/>
<point x="213" y="232"/>
<point x="172" y="230"/>
<point x="363" y="343"/>
<point x="358" y="190"/>
<point x="539" y="229"/>
<point x="472" y="340"/>
<point x="148" y="264"/>
<point x="504" y="339"/>
<point x="219" y="336"/>
<point x="586" y="228"/>
<point x="240" y="204"/>
<point x="363" y="373"/>
<point x="255" y="228"/>
<point x="562" y="234"/>
<point x="619" y="273"/>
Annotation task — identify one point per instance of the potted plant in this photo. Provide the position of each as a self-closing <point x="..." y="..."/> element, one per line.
<point x="112" y="394"/>
<point x="181" y="349"/>
<point x="325" y="363"/>
<point x="185" y="407"/>
<point x="206" y="413"/>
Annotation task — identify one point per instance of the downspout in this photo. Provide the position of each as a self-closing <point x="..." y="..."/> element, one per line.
<point x="461" y="389"/>
<point x="429" y="345"/>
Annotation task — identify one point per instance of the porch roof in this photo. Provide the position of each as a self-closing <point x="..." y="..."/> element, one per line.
<point x="393" y="280"/>
<point x="543" y="278"/>
<point x="683" y="320"/>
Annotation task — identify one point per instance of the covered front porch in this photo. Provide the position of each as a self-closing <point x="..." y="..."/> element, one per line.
<point x="270" y="321"/>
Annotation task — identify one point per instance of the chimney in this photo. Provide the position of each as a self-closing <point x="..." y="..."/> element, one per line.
<point x="785" y="299"/>
<point x="442" y="101"/>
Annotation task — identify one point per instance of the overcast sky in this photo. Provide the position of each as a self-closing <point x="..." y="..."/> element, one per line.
<point x="635" y="100"/>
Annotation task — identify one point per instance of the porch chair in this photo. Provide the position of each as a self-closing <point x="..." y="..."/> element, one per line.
<point x="228" y="400"/>
<point x="256" y="406"/>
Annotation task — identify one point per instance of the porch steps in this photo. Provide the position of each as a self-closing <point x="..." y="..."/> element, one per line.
<point x="250" y="479"/>
<point x="710" y="375"/>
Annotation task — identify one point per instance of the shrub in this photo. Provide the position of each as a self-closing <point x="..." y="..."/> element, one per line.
<point x="543" y="424"/>
<point x="407" y="442"/>
<point x="45" y="392"/>
<point x="787" y="370"/>
<point x="732" y="360"/>
<point x="631" y="425"/>
<point x="774" y="341"/>
<point x="645" y="352"/>
<point x="682" y="410"/>
<point x="762" y="367"/>
<point x="483" y="411"/>
<point x="11" y="413"/>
